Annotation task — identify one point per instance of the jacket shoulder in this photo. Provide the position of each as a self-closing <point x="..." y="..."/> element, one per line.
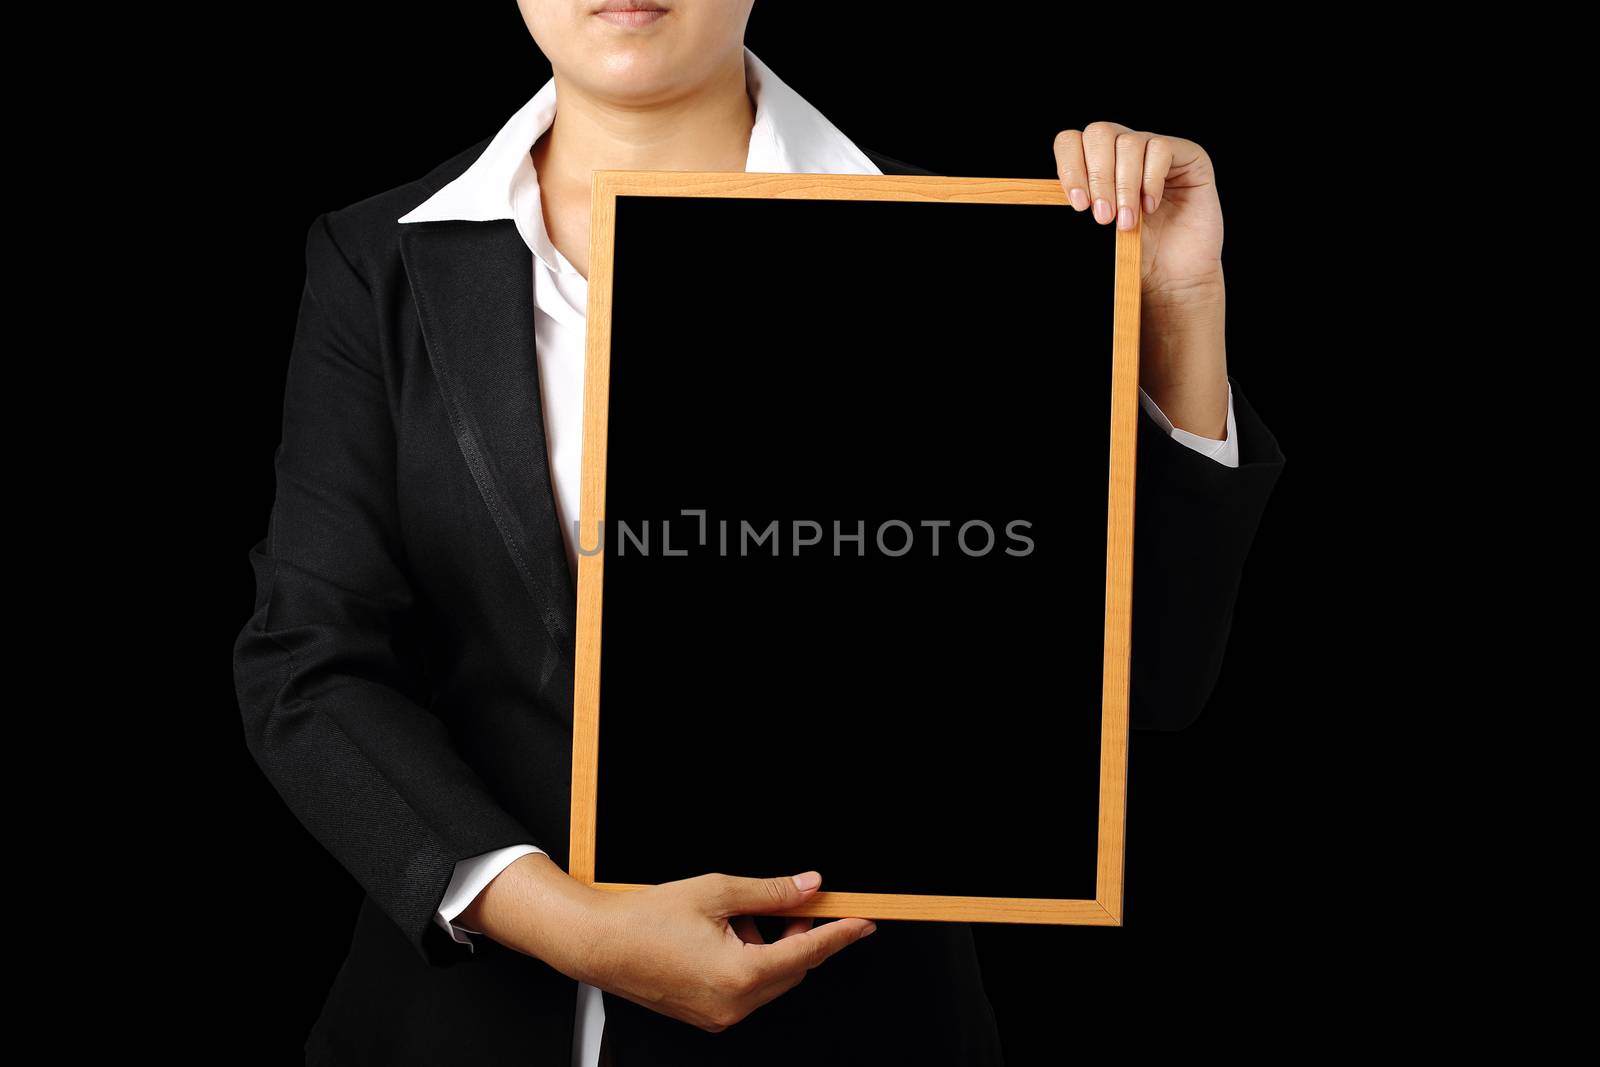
<point x="370" y="226"/>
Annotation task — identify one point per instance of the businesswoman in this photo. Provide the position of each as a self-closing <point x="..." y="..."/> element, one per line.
<point x="406" y="677"/>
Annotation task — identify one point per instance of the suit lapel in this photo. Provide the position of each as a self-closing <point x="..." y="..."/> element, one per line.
<point x="473" y="287"/>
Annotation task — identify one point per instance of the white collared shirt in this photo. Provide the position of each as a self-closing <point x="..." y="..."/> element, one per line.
<point x="789" y="136"/>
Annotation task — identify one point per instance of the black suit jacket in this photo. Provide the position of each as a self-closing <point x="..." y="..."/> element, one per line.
<point x="406" y="677"/>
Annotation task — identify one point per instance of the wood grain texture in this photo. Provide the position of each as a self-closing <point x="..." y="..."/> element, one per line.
<point x="591" y="515"/>
<point x="1106" y="909"/>
<point x="1119" y="573"/>
<point x="938" y="908"/>
<point x="609" y="184"/>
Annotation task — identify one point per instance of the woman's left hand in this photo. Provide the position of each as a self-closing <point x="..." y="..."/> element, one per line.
<point x="1121" y="174"/>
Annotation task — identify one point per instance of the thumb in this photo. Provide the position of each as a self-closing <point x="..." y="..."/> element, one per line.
<point x="730" y="895"/>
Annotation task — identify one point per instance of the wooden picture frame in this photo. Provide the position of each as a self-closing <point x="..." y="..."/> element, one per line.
<point x="1105" y="909"/>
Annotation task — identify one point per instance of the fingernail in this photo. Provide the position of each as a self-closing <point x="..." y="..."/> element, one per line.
<point x="1125" y="218"/>
<point x="1149" y="203"/>
<point x="869" y="928"/>
<point x="809" y="880"/>
<point x="1079" y="198"/>
<point x="1102" y="210"/>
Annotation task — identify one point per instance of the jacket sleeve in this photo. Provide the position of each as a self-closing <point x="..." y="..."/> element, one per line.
<point x="330" y="682"/>
<point x="1194" y="521"/>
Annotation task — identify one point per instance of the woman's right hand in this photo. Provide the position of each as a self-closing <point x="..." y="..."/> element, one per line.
<point x="674" y="947"/>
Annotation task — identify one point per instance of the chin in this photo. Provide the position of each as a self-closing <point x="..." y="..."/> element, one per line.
<point x="639" y="70"/>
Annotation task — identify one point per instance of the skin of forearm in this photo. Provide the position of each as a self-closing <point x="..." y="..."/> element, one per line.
<point x="1183" y="361"/>
<point x="536" y="908"/>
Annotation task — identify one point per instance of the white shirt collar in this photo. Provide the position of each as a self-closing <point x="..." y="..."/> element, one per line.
<point x="789" y="136"/>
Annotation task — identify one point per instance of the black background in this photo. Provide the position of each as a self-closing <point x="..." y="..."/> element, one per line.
<point x="1249" y="846"/>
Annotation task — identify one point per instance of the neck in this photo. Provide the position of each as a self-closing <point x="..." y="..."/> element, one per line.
<point x="705" y="128"/>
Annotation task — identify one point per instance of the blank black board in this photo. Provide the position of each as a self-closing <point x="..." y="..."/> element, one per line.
<point x="914" y="712"/>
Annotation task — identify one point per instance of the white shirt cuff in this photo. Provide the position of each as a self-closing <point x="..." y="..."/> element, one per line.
<point x="468" y="880"/>
<point x="1225" y="451"/>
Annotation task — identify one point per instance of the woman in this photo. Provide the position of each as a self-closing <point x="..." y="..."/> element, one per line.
<point x="406" y="677"/>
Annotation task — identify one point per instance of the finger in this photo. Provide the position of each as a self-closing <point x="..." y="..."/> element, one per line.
<point x="1157" y="164"/>
<point x="1130" y="175"/>
<point x="777" y="962"/>
<point x="1069" y="165"/>
<point x="728" y="895"/>
<point x="746" y="928"/>
<point x="1100" y="162"/>
<point x="796" y="926"/>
